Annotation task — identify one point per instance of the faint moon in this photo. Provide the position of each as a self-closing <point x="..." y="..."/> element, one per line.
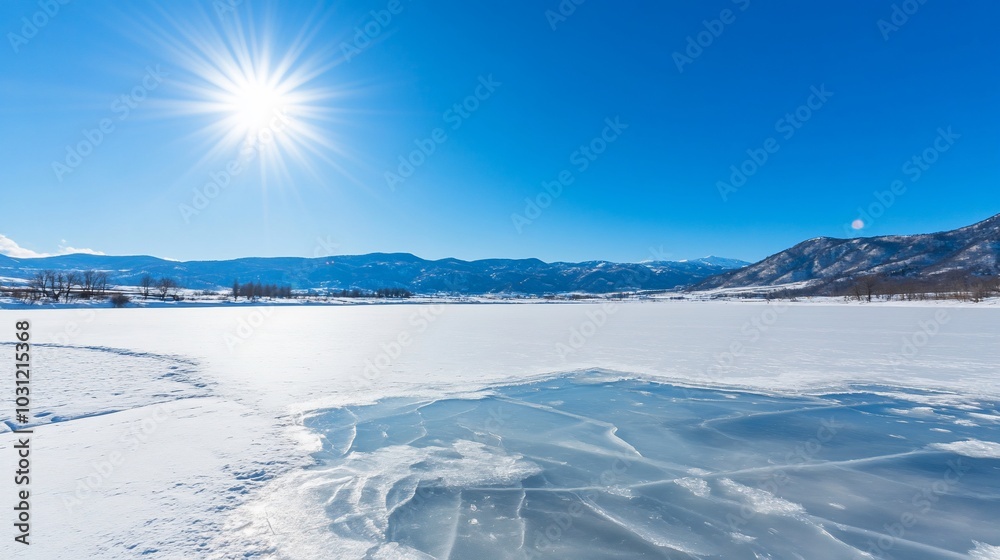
<point x="857" y="224"/>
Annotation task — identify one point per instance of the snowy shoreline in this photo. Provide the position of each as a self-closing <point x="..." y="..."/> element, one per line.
<point x="198" y="302"/>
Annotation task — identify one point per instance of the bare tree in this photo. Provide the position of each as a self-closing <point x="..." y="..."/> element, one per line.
<point x="73" y="278"/>
<point x="146" y="285"/>
<point x="56" y="284"/>
<point x="101" y="283"/>
<point x="27" y="296"/>
<point x="858" y="290"/>
<point x="164" y="286"/>
<point x="89" y="276"/>
<point x="868" y="284"/>
<point x="49" y="287"/>
<point x="888" y="287"/>
<point x="93" y="283"/>
<point x="36" y="285"/>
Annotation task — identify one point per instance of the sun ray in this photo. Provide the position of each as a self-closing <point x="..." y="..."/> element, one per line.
<point x="253" y="91"/>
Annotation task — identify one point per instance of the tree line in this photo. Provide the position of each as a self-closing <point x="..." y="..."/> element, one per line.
<point x="379" y="293"/>
<point x="960" y="285"/>
<point x="56" y="286"/>
<point x="163" y="287"/>
<point x="254" y="291"/>
<point x="62" y="286"/>
<point x="955" y="285"/>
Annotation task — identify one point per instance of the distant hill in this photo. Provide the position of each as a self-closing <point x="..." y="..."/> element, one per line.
<point x="396" y="270"/>
<point x="827" y="265"/>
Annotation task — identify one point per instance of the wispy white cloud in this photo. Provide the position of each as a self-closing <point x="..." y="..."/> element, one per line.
<point x="10" y="248"/>
<point x="65" y="249"/>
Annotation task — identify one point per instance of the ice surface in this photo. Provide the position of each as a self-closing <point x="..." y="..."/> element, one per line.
<point x="583" y="466"/>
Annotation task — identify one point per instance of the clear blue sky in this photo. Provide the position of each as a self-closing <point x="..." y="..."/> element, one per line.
<point x="357" y="93"/>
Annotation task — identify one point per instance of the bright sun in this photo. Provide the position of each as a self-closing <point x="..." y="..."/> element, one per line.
<point x="263" y="101"/>
<point x="257" y="106"/>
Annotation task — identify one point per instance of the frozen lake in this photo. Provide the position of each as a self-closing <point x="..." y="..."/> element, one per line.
<point x="585" y="467"/>
<point x="667" y="430"/>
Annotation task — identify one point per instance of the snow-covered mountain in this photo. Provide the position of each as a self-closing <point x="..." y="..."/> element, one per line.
<point x="824" y="263"/>
<point x="381" y="270"/>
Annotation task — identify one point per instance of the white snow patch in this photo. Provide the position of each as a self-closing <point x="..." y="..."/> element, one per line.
<point x="985" y="551"/>
<point x="762" y="501"/>
<point x="696" y="486"/>
<point x="924" y="411"/>
<point x="740" y="537"/>
<point x="972" y="448"/>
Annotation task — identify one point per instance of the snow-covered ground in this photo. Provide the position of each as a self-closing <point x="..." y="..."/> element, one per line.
<point x="181" y="433"/>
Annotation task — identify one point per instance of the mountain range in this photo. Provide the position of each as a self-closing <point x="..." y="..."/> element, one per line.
<point x="826" y="265"/>
<point x="395" y="270"/>
<point x="819" y="266"/>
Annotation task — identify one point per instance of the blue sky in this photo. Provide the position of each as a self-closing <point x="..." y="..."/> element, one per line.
<point x="642" y="109"/>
